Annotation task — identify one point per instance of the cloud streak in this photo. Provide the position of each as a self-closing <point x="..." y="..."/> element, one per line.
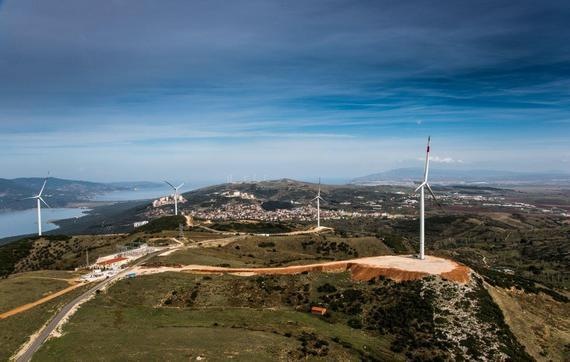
<point x="128" y="74"/>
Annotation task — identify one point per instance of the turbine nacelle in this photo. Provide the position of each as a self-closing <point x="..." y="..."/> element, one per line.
<point x="426" y="185"/>
<point x="319" y="197"/>
<point x="175" y="188"/>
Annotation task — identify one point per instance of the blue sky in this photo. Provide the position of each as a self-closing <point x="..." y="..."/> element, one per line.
<point x="198" y="90"/>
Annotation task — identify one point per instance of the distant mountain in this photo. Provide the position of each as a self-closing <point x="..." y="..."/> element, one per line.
<point x="58" y="192"/>
<point x="438" y="175"/>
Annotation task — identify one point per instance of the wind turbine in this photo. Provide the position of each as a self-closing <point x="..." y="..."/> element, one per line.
<point x="175" y="195"/>
<point x="318" y="198"/>
<point x="39" y="201"/>
<point x="421" y="187"/>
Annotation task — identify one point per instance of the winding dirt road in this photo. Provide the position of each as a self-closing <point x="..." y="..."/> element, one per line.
<point x="396" y="267"/>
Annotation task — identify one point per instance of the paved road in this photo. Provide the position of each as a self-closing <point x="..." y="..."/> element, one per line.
<point x="31" y="348"/>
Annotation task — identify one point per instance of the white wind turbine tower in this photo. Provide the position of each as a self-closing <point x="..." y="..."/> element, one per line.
<point x="318" y="198"/>
<point x="175" y="195"/>
<point x="422" y="208"/>
<point x="39" y="201"/>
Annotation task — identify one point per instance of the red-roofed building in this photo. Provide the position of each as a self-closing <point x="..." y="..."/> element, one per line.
<point x="318" y="310"/>
<point x="111" y="262"/>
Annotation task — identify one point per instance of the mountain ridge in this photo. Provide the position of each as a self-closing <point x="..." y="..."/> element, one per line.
<point x="446" y="175"/>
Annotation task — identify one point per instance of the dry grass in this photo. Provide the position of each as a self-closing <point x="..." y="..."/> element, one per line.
<point x="27" y="287"/>
<point x="540" y="323"/>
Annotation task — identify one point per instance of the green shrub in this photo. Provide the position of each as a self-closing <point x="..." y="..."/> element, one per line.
<point x="326" y="288"/>
<point x="163" y="223"/>
<point x="354" y="323"/>
<point x="266" y="244"/>
<point x="12" y="253"/>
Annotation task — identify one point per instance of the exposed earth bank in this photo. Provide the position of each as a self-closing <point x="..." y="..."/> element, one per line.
<point x="398" y="268"/>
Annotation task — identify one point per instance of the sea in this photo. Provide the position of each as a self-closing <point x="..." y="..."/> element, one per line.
<point x="23" y="222"/>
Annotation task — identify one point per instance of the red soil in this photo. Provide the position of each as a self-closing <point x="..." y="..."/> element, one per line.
<point x="392" y="267"/>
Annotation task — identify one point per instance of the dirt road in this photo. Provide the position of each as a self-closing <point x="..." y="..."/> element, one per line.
<point x="396" y="267"/>
<point x="25" y="307"/>
<point x="27" y="351"/>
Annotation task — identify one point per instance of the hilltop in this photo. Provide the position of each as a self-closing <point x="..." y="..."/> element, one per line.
<point x="369" y="316"/>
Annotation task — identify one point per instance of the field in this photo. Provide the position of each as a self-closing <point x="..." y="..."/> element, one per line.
<point x="15" y="330"/>
<point x="27" y="287"/>
<point x="539" y="322"/>
<point x="181" y="315"/>
<point x="138" y="319"/>
<point x="279" y="251"/>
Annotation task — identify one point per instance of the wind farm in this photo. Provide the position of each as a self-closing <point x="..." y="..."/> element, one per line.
<point x="228" y="243"/>
<point x="162" y="247"/>
<point x="251" y="181"/>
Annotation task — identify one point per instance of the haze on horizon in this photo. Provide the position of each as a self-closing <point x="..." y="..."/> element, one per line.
<point x="145" y="90"/>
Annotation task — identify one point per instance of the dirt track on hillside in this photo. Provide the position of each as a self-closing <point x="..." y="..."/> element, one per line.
<point x="53" y="295"/>
<point x="397" y="268"/>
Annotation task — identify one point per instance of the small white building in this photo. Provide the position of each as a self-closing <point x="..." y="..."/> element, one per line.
<point x="238" y="194"/>
<point x="138" y="224"/>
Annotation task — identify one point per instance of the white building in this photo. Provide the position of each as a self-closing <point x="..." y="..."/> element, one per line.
<point x="138" y="224"/>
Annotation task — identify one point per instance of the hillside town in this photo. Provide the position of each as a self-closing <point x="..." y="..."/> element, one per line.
<point x="168" y="200"/>
<point x="238" y="211"/>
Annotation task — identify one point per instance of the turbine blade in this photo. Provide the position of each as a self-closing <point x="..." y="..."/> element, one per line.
<point x="433" y="195"/>
<point x="29" y="198"/>
<point x="43" y="187"/>
<point x="179" y="186"/>
<point x="42" y="200"/>
<point x="169" y="184"/>
<point x="419" y="187"/>
<point x="426" y="167"/>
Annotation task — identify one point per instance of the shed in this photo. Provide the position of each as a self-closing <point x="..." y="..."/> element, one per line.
<point x="318" y="310"/>
<point x="112" y="261"/>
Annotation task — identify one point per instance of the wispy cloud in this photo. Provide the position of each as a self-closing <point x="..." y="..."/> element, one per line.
<point x="438" y="159"/>
<point x="138" y="78"/>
